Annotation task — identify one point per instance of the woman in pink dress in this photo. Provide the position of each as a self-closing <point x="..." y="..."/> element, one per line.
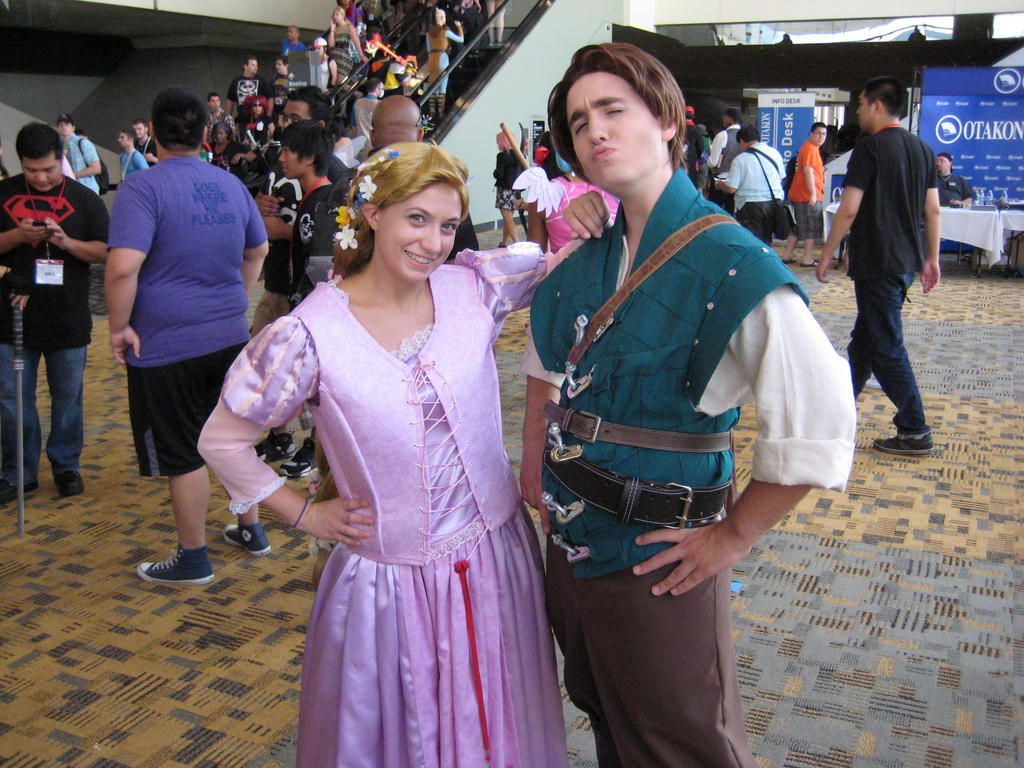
<point x="428" y="643"/>
<point x="550" y="186"/>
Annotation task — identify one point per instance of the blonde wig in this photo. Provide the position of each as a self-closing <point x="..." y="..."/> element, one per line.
<point x="393" y="175"/>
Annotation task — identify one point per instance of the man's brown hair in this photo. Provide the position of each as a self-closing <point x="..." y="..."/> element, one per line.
<point x="647" y="76"/>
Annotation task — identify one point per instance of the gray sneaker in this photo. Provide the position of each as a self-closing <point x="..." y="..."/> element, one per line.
<point x="906" y="446"/>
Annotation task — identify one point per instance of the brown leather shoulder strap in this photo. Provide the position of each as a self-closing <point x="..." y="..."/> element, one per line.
<point x="671" y="246"/>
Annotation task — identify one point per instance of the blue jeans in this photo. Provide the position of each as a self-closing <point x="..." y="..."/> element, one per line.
<point x="64" y="371"/>
<point x="876" y="346"/>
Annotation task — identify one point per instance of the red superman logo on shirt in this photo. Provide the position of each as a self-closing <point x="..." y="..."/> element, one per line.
<point x="36" y="207"/>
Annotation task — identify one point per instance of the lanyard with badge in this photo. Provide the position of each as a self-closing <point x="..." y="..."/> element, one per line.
<point x="49" y="271"/>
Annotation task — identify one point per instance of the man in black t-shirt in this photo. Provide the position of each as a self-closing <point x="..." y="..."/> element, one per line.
<point x="249" y="83"/>
<point x="277" y="266"/>
<point x="305" y="151"/>
<point x="890" y="188"/>
<point x="51" y="229"/>
<point x="143" y="141"/>
<point x="954" y="190"/>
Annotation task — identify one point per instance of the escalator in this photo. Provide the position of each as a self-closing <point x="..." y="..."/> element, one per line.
<point x="471" y="64"/>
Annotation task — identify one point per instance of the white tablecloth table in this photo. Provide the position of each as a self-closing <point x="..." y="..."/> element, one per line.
<point x="981" y="229"/>
<point x="987" y="230"/>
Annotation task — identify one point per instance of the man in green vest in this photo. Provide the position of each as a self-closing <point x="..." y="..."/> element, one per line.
<point x="637" y="473"/>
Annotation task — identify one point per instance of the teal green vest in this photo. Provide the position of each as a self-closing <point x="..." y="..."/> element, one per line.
<point x="651" y="366"/>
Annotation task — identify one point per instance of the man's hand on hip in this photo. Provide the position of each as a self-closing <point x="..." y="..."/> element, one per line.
<point x="700" y="552"/>
<point x="121" y="340"/>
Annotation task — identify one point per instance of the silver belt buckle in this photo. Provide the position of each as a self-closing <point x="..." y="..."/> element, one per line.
<point x="683" y="522"/>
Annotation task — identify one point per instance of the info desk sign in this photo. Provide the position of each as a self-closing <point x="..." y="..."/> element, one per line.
<point x="785" y="120"/>
<point x="976" y="114"/>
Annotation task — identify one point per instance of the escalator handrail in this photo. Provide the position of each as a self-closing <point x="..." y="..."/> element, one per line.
<point x="467" y="48"/>
<point x="465" y="99"/>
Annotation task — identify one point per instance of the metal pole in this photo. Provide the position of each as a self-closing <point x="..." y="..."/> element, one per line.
<point x="19" y="367"/>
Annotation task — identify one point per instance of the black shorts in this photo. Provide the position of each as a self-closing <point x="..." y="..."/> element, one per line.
<point x="169" y="404"/>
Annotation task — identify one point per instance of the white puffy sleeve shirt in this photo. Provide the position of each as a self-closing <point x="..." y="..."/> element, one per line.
<point x="779" y="359"/>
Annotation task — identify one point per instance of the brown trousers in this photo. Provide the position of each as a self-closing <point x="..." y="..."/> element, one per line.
<point x="656" y="675"/>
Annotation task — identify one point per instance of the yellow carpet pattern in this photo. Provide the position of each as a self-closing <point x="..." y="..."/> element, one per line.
<point x="101" y="670"/>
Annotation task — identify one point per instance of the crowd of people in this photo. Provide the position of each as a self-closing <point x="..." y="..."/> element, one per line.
<point x="430" y="636"/>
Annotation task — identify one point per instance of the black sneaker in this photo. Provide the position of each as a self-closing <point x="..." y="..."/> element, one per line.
<point x="277" y="446"/>
<point x="174" y="571"/>
<point x="9" y="491"/>
<point x="906" y="446"/>
<point x="301" y="464"/>
<point x="69" y="483"/>
<point x="250" y="538"/>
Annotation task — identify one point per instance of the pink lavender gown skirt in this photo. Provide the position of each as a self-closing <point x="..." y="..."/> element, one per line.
<point x="387" y="675"/>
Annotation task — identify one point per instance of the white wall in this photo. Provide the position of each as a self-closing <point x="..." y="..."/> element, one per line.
<point x="303" y="13"/>
<point x="732" y="11"/>
<point x="638" y="13"/>
<point x="518" y="93"/>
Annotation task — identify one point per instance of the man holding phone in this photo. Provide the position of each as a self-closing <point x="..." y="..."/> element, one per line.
<point x="51" y="229"/>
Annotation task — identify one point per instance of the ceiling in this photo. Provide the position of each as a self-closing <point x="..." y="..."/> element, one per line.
<point x="145" y="28"/>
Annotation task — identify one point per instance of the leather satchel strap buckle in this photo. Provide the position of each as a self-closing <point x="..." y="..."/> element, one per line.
<point x="577" y="430"/>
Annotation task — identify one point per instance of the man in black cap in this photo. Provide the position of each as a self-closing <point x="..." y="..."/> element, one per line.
<point x="954" y="190"/>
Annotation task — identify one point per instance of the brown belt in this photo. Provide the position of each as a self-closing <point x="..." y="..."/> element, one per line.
<point x="630" y="499"/>
<point x="590" y="428"/>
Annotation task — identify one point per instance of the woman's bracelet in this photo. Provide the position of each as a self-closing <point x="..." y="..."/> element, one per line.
<point x="296" y="523"/>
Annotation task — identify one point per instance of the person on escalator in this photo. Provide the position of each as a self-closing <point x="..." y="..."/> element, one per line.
<point x="438" y="38"/>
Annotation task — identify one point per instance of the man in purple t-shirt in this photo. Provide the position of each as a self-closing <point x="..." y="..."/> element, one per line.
<point x="186" y="245"/>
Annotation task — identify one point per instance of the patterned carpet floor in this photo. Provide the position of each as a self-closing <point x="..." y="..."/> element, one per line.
<point x="880" y="627"/>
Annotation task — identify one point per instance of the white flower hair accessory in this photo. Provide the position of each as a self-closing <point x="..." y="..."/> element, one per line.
<point x="381" y="157"/>
<point x="345" y="237"/>
<point x="367" y="188"/>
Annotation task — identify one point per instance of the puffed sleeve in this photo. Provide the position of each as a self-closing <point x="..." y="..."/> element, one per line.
<point x="507" y="277"/>
<point x="274" y="375"/>
<point x="805" y="434"/>
<point x="266" y="385"/>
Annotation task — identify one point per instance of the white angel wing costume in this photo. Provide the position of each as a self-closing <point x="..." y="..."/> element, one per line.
<point x="540" y="190"/>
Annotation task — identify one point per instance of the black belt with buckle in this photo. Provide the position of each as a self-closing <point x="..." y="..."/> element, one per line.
<point x="631" y="499"/>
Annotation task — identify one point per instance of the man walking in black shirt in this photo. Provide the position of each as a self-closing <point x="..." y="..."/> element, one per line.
<point x="890" y="186"/>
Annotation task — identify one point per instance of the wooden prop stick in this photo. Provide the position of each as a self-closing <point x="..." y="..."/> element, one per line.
<point x="515" y="146"/>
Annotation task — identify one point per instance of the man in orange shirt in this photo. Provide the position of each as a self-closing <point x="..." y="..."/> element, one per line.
<point x="805" y="192"/>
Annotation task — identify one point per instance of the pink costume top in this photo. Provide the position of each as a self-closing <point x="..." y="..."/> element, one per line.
<point x="558" y="231"/>
<point x="386" y="674"/>
<point x="367" y="409"/>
